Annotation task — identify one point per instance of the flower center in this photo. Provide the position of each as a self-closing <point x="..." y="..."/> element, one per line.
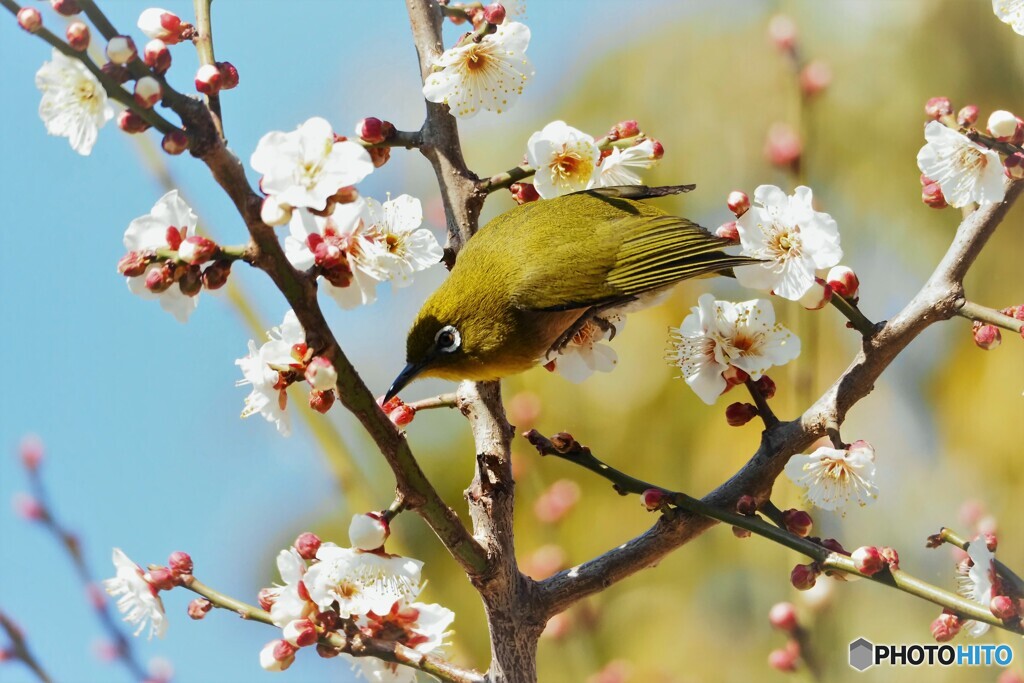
<point x="971" y="159"/>
<point x="785" y="242"/>
<point x="476" y="58"/>
<point x="566" y="164"/>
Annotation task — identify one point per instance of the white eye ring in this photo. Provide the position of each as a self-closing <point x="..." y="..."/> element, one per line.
<point x="449" y="346"/>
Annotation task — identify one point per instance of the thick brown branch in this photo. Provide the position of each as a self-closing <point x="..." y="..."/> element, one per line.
<point x="19" y="648"/>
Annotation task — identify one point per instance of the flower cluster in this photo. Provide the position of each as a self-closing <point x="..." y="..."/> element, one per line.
<point x="325" y="585"/>
<point x="832" y="477"/>
<point x="165" y="257"/>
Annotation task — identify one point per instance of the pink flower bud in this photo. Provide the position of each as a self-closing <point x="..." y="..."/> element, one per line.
<point x="28" y="507"/>
<point x="782" y="32"/>
<point x="30" y="450"/>
<point x="266" y="598"/>
<point x="890" y="556"/>
<point x="937" y="107"/>
<point x="180" y="562"/>
<point x="77" y="34"/>
<point x="967" y="116"/>
<point x="275" y="213"/>
<point x="321" y="401"/>
<point x="818" y="296"/>
<point x="131" y="123"/>
<point x="197" y="249"/>
<point x="159" y="279"/>
<point x="300" y="632"/>
<point x="523" y="193"/>
<point x="738" y="414"/>
<point x="782" y="616"/>
<point x="1013" y="166"/>
<point x="162" y="578"/>
<point x="116" y="72"/>
<point x="368" y="531"/>
<point x="815" y="77"/>
<point x="738" y="202"/>
<point x="657" y="149"/>
<point x="733" y="376"/>
<point x="121" y="50"/>
<point x="798" y="522"/>
<point x="987" y="337"/>
<point x="766" y="385"/>
<point x="746" y="505"/>
<point x="494" y="13"/>
<point x="191" y="281"/>
<point x="148" y="92"/>
<point x="329" y="620"/>
<point x="728" y="231"/>
<point x="326" y="651"/>
<point x="843" y="282"/>
<point x="654" y="499"/>
<point x="379" y="155"/>
<point x="1002" y="125"/>
<point x="161" y="24"/>
<point x="624" y="129"/>
<point x="371" y="129"/>
<point x="228" y="75"/>
<point x="277" y="655"/>
<point x="1003" y="607"/>
<point x="198" y="608"/>
<point x="307" y="544"/>
<point x="65" y="7"/>
<point x="931" y="195"/>
<point x="945" y="627"/>
<point x="320" y="374"/>
<point x="216" y="275"/>
<point x="783" y="147"/>
<point x="783" y="659"/>
<point x="991" y="542"/>
<point x="834" y="545"/>
<point x="402" y="415"/>
<point x="157" y="56"/>
<point x="175" y="142"/>
<point x="804" y="576"/>
<point x="30" y="19"/>
<point x="868" y="560"/>
<point x="208" y="79"/>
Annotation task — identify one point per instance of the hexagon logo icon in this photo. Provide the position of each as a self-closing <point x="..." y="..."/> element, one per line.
<point x="862" y="654"/>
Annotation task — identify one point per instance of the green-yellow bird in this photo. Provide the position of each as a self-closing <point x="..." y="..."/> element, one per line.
<point x="533" y="276"/>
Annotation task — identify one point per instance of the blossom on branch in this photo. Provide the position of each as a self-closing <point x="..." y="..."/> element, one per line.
<point x="74" y="103"/>
<point x="833" y="476"/>
<point x="976" y="581"/>
<point x="137" y="600"/>
<point x="489" y="74"/>
<point x="585" y="354"/>
<point x="1010" y="12"/>
<point x="794" y="240"/>
<point x="621" y="166"/>
<point x="263" y="367"/>
<point x="287" y="602"/>
<point x="565" y="158"/>
<point x="966" y="171"/>
<point x="361" y="582"/>
<point x="718" y="335"/>
<point x="420" y="626"/>
<point x="401" y="245"/>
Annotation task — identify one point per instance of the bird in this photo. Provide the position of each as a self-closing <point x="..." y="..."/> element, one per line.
<point x="534" y="276"/>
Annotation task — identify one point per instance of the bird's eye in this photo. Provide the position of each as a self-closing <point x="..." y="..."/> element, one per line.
<point x="447" y="339"/>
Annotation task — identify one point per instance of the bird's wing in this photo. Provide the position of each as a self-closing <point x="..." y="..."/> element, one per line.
<point x="638" y="191"/>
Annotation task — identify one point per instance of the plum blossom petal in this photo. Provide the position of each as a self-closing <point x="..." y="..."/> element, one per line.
<point x="74" y="103"/>
<point x="565" y="159"/>
<point x="1010" y="12"/>
<point x="832" y="476"/>
<point x="137" y="600"/>
<point x="965" y="171"/>
<point x="621" y="166"/>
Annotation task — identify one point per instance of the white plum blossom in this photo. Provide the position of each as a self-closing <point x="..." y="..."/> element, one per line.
<point x="137" y="599"/>
<point x="975" y="581"/>
<point x="966" y="171"/>
<point x="287" y="605"/>
<point x="422" y="627"/>
<point x="170" y="219"/>
<point x="367" y="531"/>
<point x="1010" y="12"/>
<point x="268" y="396"/>
<point x="305" y="167"/>
<point x="401" y="246"/>
<point x="621" y="166"/>
<point x="361" y="582"/>
<point x="833" y="476"/>
<point x="585" y="354"/>
<point x="719" y="334"/>
<point x="486" y="75"/>
<point x="565" y="159"/>
<point x="74" y="103"/>
<point x="791" y="237"/>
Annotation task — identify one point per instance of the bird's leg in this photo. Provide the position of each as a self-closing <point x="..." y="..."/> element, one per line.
<point x="590" y="315"/>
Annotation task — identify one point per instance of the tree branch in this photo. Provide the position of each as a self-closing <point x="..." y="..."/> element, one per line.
<point x="984" y="314"/>
<point x="19" y="648"/>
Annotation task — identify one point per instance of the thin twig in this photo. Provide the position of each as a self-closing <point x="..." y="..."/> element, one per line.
<point x="442" y="401"/>
<point x="204" y="50"/>
<point x="19" y="648"/>
<point x="763" y="409"/>
<point x="984" y="314"/>
<point x="853" y="314"/>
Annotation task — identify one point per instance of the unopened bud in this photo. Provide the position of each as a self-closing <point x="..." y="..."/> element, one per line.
<point x="782" y="616"/>
<point x="937" y="107"/>
<point x="728" y="231"/>
<point x="28" y="507"/>
<point x="157" y="56"/>
<point x="738" y="414"/>
<point x="1003" y="607"/>
<point x="494" y="13"/>
<point x="162" y="578"/>
<point x="655" y="499"/>
<point x="320" y="374"/>
<point x="945" y="627"/>
<point x="402" y="415"/>
<point x="228" y="75"/>
<point x="175" y="142"/>
<point x="159" y="279"/>
<point x="66" y="8"/>
<point x="327" y="651"/>
<point x="208" y="79"/>
<point x="987" y="337"/>
<point x="931" y="195"/>
<point x="834" y="545"/>
<point x="782" y="32"/>
<point x="321" y="401"/>
<point x="991" y="542"/>
<point x="818" y="296"/>
<point x="733" y="376"/>
<point x="216" y="275"/>
<point x="266" y="598"/>
<point x="804" y="576"/>
<point x="868" y="560"/>
<point x="197" y="249"/>
<point x="379" y="155"/>
<point x="277" y="655"/>
<point x="161" y="24"/>
<point x="783" y="659"/>
<point x="843" y="282"/>
<point x="657" y="149"/>
<point x="815" y="77"/>
<point x="133" y="264"/>
<point x="191" y="281"/>
<point x="198" y="608"/>
<point x="798" y="522"/>
<point x="131" y="123"/>
<point x="967" y="116"/>
<point x="180" y="562"/>
<point x="300" y="632"/>
<point x="30" y="19"/>
<point x="121" y="50"/>
<point x="1002" y="125"/>
<point x="307" y="544"/>
<point x="1013" y="166"/>
<point x="738" y="202"/>
<point x="30" y="451"/>
<point x="371" y="129"/>
<point x="368" y="531"/>
<point x="746" y="505"/>
<point x="783" y="147"/>
<point x="523" y="193"/>
<point x="77" y="34"/>
<point x="624" y="129"/>
<point x="147" y="92"/>
<point x="766" y="386"/>
<point x="890" y="556"/>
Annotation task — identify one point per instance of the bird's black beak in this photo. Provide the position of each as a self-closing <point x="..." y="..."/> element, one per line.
<point x="407" y="375"/>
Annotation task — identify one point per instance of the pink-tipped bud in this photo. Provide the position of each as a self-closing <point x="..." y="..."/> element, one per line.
<point x="890" y="556"/>
<point x="175" y="142"/>
<point x="307" y="544"/>
<point x="937" y="107"/>
<point x="208" y="79"/>
<point x="274" y="213"/>
<point x="148" y="92"/>
<point x="494" y="13"/>
<point x="328" y="620"/>
<point x="379" y="155"/>
<point x="1003" y="607"/>
<point x="523" y="193"/>
<point x="931" y="195"/>
<point x="782" y="32"/>
<point x="728" y="231"/>
<point x="782" y="616"/>
<point x="77" y="34"/>
<point x="162" y="578"/>
<point x="228" y="75"/>
<point x="402" y="415"/>
<point x="815" y="77"/>
<point x="157" y="56"/>
<point x="803" y="577"/>
<point x="783" y="659"/>
<point x="30" y="19"/>
<point x="66" y="8"/>
<point x="131" y="123"/>
<point x="625" y="129"/>
<point x="159" y="279"/>
<point x="180" y="562"/>
<point x="798" y="522"/>
<point x="1002" y="125"/>
<point x="368" y="531"/>
<point x="868" y="560"/>
<point x="657" y="149"/>
<point x="967" y="116"/>
<point x="198" y="608"/>
<point x="738" y="414"/>
<point x="197" y="249"/>
<point x="266" y="598"/>
<point x="991" y="542"/>
<point x="300" y="632"/>
<point x="766" y="385"/>
<point x="174" y="236"/>
<point x="738" y="202"/>
<point x="654" y="499"/>
<point x="121" y="50"/>
<point x="946" y="627"/>
<point x="28" y="507"/>
<point x="818" y="296"/>
<point x="733" y="376"/>
<point x="783" y="147"/>
<point x="133" y="264"/>
<point x="1013" y="166"/>
<point x="320" y="374"/>
<point x="321" y="401"/>
<point x="161" y="24"/>
<point x="843" y="282"/>
<point x="277" y="655"/>
<point x="216" y="275"/>
<point x="987" y="337"/>
<point x="746" y="505"/>
<point x="371" y="129"/>
<point x="30" y="451"/>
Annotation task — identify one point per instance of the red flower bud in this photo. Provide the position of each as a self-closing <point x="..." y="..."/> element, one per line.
<point x="191" y="281"/>
<point x="157" y="56"/>
<point x="931" y="195"/>
<point x="782" y="32"/>
<point x="740" y="532"/>
<point x="321" y="401"/>
<point x="216" y="274"/>
<point x="987" y="337"/>
<point x="133" y="264"/>
<point x="160" y="279"/>
<point x="728" y="231"/>
<point x="66" y="8"/>
<point x="402" y="415"/>
<point x="162" y="578"/>
<point x="148" y="92"/>
<point x="818" y="296"/>
<point x="738" y="414"/>
<point x="121" y="50"/>
<point x="783" y="659"/>
<point x="266" y="598"/>
<point x="868" y="560"/>
<point x="1013" y="166"/>
<point x="175" y="142"/>
<point x="300" y="633"/>
<point x="945" y="627"/>
<point x="815" y="77"/>
<point x="131" y="123"/>
<point x="967" y="116"/>
<point x="625" y="129"/>
<point x="228" y="75"/>
<point x="834" y="545"/>
<point x="937" y="107"/>
<point x="783" y="147"/>
<point x="804" y="576"/>
<point x="371" y="129"/>
<point x="30" y="450"/>
<point x="734" y="376"/>
<point x="494" y="13"/>
<point x="208" y="79"/>
<point x="843" y="282"/>
<point x="890" y="556"/>
<point x="77" y="34"/>
<point x="198" y="608"/>
<point x="738" y="202"/>
<point x="1003" y="607"/>
<point x="197" y="249"/>
<point x="523" y="192"/>
<point x="765" y="385"/>
<point x="654" y="499"/>
<point x="782" y="616"/>
<point x="798" y="522"/>
<point x="307" y="544"/>
<point x="746" y="505"/>
<point x="180" y="562"/>
<point x="657" y="149"/>
<point x="30" y="19"/>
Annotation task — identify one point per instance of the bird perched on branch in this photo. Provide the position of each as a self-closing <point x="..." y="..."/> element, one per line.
<point x="533" y="277"/>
